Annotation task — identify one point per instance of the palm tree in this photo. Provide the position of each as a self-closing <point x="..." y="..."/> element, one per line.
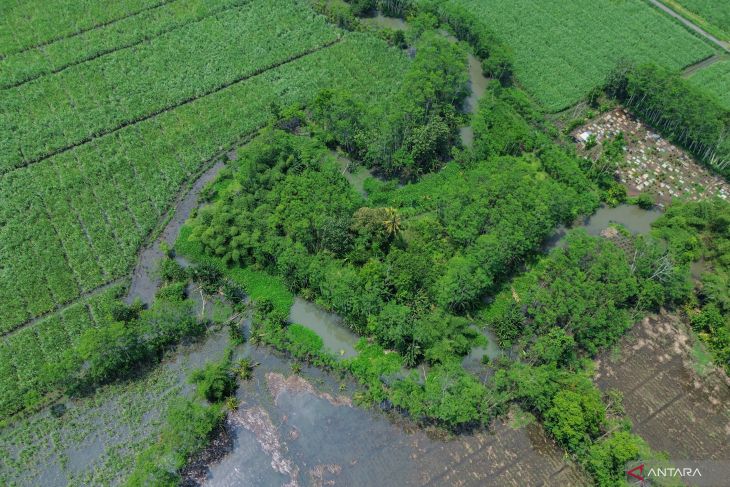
<point x="392" y="221"/>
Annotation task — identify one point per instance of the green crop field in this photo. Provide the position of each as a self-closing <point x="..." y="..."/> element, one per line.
<point x="711" y="15"/>
<point x="563" y="49"/>
<point x="21" y="67"/>
<point x="101" y="149"/>
<point x="716" y="79"/>
<point x="38" y="22"/>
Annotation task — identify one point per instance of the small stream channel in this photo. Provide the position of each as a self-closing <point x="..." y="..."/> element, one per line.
<point x="477" y="81"/>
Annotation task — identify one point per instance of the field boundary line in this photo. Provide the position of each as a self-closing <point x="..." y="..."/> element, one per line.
<point x="120" y="47"/>
<point x="60" y="307"/>
<point x="663" y="408"/>
<point x="89" y="29"/>
<point x="186" y="101"/>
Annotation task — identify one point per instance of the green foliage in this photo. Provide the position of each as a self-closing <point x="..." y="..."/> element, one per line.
<point x="171" y="271"/>
<point x="607" y="458"/>
<point x="214" y="381"/>
<point x="700" y="231"/>
<point x="588" y="288"/>
<point x="575" y="418"/>
<point x="172" y="292"/>
<point x="498" y="56"/>
<point x="449" y="395"/>
<point x="413" y="137"/>
<point x="119" y="349"/>
<point x="187" y="430"/>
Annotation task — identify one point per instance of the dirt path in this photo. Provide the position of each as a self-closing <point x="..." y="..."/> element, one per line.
<point x="690" y="70"/>
<point x="691" y="25"/>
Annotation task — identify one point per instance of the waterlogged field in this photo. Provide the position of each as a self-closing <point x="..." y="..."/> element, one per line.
<point x="102" y="148"/>
<point x="26" y="354"/>
<point x="716" y="79"/>
<point x="565" y="49"/>
<point x="96" y="439"/>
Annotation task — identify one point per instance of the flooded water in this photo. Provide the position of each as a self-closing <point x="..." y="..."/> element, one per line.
<point x="381" y="20"/>
<point x="144" y="280"/>
<point x="303" y="431"/>
<point x="473" y="361"/>
<point x="337" y="338"/>
<point x="354" y="173"/>
<point x="636" y="220"/>
<point x="477" y="84"/>
<point x="96" y="439"/>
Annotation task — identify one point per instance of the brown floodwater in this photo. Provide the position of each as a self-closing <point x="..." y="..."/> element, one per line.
<point x="305" y="431"/>
<point x="634" y="219"/>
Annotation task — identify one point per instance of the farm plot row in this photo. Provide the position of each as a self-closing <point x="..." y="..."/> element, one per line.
<point x="565" y="49"/>
<point x="100" y="200"/>
<point x="56" y="112"/>
<point x="715" y="79"/>
<point x="26" y="355"/>
<point x="33" y="23"/>
<point x="36" y="22"/>
<point x="30" y="64"/>
<point x="713" y="12"/>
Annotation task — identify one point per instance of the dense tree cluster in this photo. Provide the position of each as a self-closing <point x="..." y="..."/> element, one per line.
<point x="382" y="262"/>
<point x="591" y="289"/>
<point x="415" y="135"/>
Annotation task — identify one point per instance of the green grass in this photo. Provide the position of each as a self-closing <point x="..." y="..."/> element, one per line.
<point x="563" y="49"/>
<point x="701" y="358"/>
<point x="715" y="79"/>
<point x="711" y="15"/>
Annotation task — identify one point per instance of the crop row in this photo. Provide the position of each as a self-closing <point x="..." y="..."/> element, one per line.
<point x="715" y="79"/>
<point x="84" y="101"/>
<point x="26" y="355"/>
<point x="565" y="49"/>
<point x="712" y="12"/>
<point x="100" y="200"/>
<point x="38" y="22"/>
<point x="22" y="67"/>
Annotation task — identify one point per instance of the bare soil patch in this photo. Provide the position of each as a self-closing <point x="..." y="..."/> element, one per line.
<point x="671" y="406"/>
